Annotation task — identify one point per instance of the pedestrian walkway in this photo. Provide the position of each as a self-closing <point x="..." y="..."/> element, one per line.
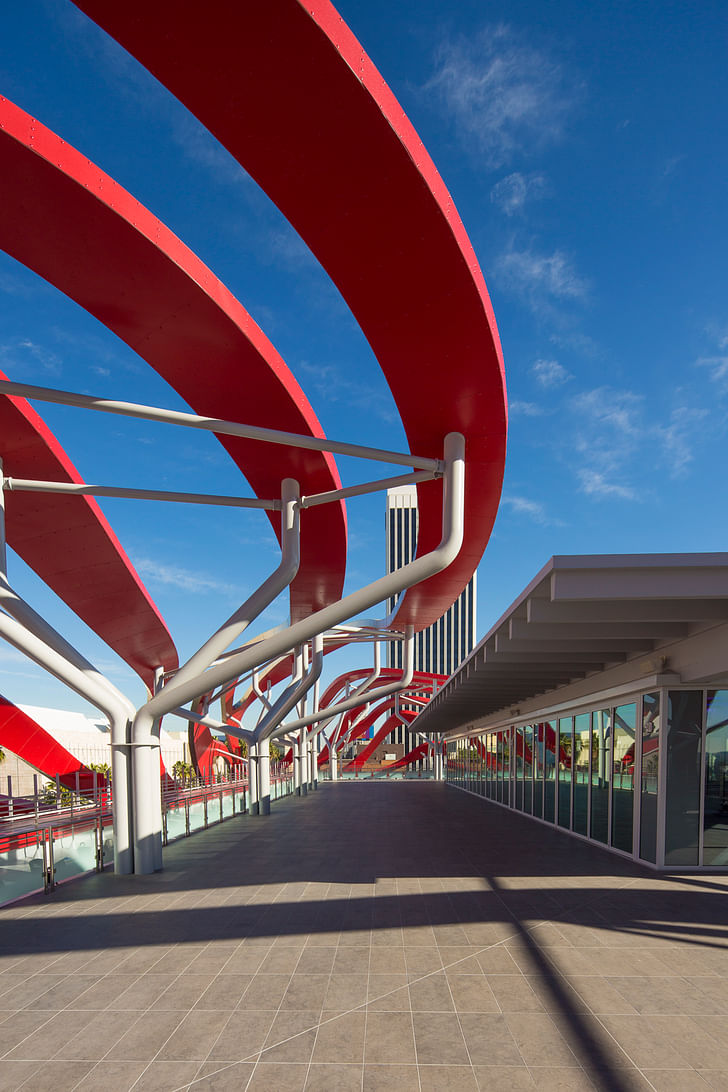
<point x="371" y="936"/>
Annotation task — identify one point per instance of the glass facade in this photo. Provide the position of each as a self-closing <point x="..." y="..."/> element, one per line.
<point x="647" y="776"/>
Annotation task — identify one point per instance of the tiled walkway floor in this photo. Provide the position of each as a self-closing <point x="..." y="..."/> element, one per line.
<point x="371" y="936"/>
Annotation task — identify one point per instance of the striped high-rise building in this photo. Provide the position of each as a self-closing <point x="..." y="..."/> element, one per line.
<point x="442" y="647"/>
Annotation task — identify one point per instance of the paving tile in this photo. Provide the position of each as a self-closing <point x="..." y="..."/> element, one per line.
<point x="345" y="991"/>
<point x="14" y="1074"/>
<point x="226" y="991"/>
<point x="111" y="1076"/>
<point x="58" y="1077"/>
<point x="676" y="1080"/>
<point x="306" y="991"/>
<point x="334" y="1077"/>
<point x="388" y="993"/>
<point x="264" y="991"/>
<point x="166" y="1076"/>
<point x="145" y="1038"/>
<point x="390" y="1078"/>
<point x="431" y="994"/>
<point x="98" y="1034"/>
<point x="341" y="1038"/>
<point x="539" y="1040"/>
<point x="279" y="1076"/>
<point x="439" y="1039"/>
<point x="503" y="1078"/>
<point x="194" y="1037"/>
<point x="472" y="993"/>
<point x="456" y="1078"/>
<point x="389" y="1038"/>
<point x="291" y="1038"/>
<point x="222" y="1076"/>
<point x="387" y="960"/>
<point x="563" y="1079"/>
<point x="513" y="993"/>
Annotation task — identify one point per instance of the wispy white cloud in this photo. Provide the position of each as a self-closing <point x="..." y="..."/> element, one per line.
<point x="541" y="277"/>
<point x="514" y="191"/>
<point x="534" y="510"/>
<point x="200" y="146"/>
<point x="679" y="436"/>
<point x="619" y="411"/>
<point x="595" y="484"/>
<point x="287" y="249"/>
<point x="331" y="384"/>
<point x="24" y="355"/>
<point x="577" y="343"/>
<point x="525" y="409"/>
<point x="504" y="96"/>
<point x="549" y="373"/>
<point x="158" y="572"/>
<point x="718" y="367"/>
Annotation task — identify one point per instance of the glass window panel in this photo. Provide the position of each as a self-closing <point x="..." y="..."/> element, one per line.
<point x="564" y="768"/>
<point x="527" y="768"/>
<point x="715" y="822"/>
<point x="549" y="771"/>
<point x="682" y="802"/>
<point x="600" y="766"/>
<point x="499" y="765"/>
<point x="519" y="768"/>
<point x="582" y="750"/>
<point x="538" y="770"/>
<point x="624" y="725"/>
<point x="650" y="744"/>
<point x="508" y="767"/>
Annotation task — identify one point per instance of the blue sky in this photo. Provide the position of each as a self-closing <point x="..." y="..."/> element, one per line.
<point x="585" y="148"/>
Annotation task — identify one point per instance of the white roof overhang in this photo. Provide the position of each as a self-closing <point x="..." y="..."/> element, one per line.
<point x="579" y="616"/>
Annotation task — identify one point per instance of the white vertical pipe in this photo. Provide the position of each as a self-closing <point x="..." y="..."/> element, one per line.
<point x="253" y="793"/>
<point x="264" y="775"/>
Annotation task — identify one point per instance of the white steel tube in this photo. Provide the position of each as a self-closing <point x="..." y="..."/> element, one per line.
<point x="84" y="489"/>
<point x="260" y="599"/>
<point x="90" y="684"/>
<point x="377" y="592"/>
<point x="253" y="793"/>
<point x="215" y="424"/>
<point x="146" y="801"/>
<point x="370" y="695"/>
<point x="3" y="551"/>
<point x="314" y="499"/>
<point x="263" y="749"/>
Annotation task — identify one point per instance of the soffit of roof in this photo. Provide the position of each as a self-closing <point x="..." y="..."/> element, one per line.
<point x="578" y="616"/>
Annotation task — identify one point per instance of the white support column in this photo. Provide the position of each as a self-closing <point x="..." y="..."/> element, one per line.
<point x="264" y="775"/>
<point x="253" y="794"/>
<point x="316" y="753"/>
<point x="297" y="765"/>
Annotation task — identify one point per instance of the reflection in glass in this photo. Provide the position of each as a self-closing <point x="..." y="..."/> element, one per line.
<point x="507" y="766"/>
<point x="649" y="776"/>
<point x="538" y="770"/>
<point x="582" y="741"/>
<point x="549" y="771"/>
<point x="682" y="820"/>
<point x="527" y="768"/>
<point x="625" y="722"/>
<point x="715" y="823"/>
<point x="491" y="766"/>
<point x="519" y="768"/>
<point x="564" y="770"/>
<point x="601" y="757"/>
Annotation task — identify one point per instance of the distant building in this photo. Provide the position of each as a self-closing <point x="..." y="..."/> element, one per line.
<point x="442" y="647"/>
